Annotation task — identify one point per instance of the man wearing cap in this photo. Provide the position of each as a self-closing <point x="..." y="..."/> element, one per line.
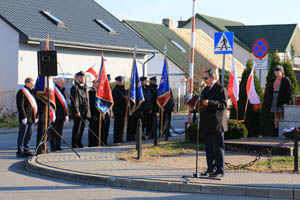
<point x="27" y="109"/>
<point x="61" y="113"/>
<point x="155" y="109"/>
<point x="146" y="108"/>
<point x="80" y="108"/>
<point x="120" y="95"/>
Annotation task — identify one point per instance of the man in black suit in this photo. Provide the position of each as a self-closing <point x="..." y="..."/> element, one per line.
<point x="213" y="122"/>
<point x="27" y="108"/>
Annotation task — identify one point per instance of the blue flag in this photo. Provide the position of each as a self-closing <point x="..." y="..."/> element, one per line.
<point x="136" y="96"/>
<point x="164" y="88"/>
<point x="104" y="100"/>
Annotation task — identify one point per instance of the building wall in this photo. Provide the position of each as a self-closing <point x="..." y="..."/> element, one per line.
<point x="176" y="75"/>
<point x="239" y="52"/>
<point x="9" y="44"/>
<point x="73" y="60"/>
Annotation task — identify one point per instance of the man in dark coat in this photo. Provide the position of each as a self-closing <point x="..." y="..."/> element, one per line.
<point x="213" y="122"/>
<point x="80" y="109"/>
<point x="61" y="115"/>
<point x="146" y="108"/>
<point x="120" y="96"/>
<point x="27" y="109"/>
<point x="167" y="116"/>
<point x="154" y="108"/>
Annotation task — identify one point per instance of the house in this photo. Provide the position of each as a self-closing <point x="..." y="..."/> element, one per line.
<point x="285" y="38"/>
<point x="81" y="30"/>
<point x="178" y="52"/>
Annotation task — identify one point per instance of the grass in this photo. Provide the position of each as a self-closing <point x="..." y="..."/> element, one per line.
<point x="164" y="149"/>
<point x="8" y="124"/>
<point x="279" y="164"/>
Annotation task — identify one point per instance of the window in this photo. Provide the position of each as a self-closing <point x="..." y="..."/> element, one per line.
<point x="106" y="27"/>
<point x="54" y="19"/>
<point x="178" y="46"/>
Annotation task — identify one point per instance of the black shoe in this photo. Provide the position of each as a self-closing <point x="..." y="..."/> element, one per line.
<point x="216" y="175"/>
<point x="21" y="155"/>
<point x="207" y="173"/>
<point x="28" y="153"/>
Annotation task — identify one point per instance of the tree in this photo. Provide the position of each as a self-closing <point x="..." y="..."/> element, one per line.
<point x="252" y="116"/>
<point x="267" y="117"/>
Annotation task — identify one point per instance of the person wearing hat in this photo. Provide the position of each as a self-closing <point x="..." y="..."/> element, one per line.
<point x="61" y="113"/>
<point x="154" y="109"/>
<point x="80" y="108"/>
<point x="120" y="96"/>
<point x="281" y="94"/>
<point x="146" y="108"/>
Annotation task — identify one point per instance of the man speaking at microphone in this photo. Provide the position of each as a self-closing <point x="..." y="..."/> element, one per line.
<point x="213" y="122"/>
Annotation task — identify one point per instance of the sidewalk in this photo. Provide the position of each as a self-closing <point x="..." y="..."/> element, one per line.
<point x="100" y="166"/>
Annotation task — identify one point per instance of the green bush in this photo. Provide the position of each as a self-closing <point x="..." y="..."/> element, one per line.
<point x="252" y="116"/>
<point x="236" y="130"/>
<point x="191" y="132"/>
<point x="267" y="117"/>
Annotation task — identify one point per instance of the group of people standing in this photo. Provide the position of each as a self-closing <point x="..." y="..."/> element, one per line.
<point x="32" y="110"/>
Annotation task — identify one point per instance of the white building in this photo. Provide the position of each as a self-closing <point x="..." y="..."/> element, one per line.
<point x="81" y="30"/>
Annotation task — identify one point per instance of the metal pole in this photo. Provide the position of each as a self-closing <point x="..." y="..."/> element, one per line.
<point x="223" y="70"/>
<point x="139" y="139"/>
<point x="155" y="130"/>
<point x="192" y="57"/>
<point x="296" y="137"/>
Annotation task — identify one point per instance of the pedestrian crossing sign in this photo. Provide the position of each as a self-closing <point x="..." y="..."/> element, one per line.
<point x="223" y="42"/>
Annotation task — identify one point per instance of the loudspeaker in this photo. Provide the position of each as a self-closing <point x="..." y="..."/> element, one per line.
<point x="47" y="63"/>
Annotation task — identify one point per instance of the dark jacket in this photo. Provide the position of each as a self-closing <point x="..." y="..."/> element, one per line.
<point x="147" y="104"/>
<point x="214" y="118"/>
<point x="60" y="112"/>
<point x="24" y="107"/>
<point x="80" y="100"/>
<point x="94" y="111"/>
<point x="154" y="94"/>
<point x="41" y="111"/>
<point x="285" y="92"/>
<point x="119" y="94"/>
<point x="169" y="107"/>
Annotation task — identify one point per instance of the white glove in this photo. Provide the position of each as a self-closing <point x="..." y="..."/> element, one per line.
<point x="66" y="119"/>
<point x="24" y="121"/>
<point x="36" y="120"/>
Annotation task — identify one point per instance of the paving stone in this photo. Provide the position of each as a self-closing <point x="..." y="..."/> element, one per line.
<point x="257" y="192"/>
<point x="281" y="193"/>
<point x="234" y="190"/>
<point x="192" y="188"/>
<point x="169" y="187"/>
<point x="211" y="189"/>
<point x="296" y="194"/>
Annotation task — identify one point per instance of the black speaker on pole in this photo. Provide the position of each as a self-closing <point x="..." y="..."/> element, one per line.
<point x="47" y="63"/>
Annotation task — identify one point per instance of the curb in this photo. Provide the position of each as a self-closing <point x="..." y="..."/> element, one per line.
<point x="162" y="186"/>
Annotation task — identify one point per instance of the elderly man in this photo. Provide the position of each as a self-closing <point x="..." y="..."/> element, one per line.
<point x="213" y="122"/>
<point x="27" y="108"/>
<point x="61" y="114"/>
<point x="80" y="109"/>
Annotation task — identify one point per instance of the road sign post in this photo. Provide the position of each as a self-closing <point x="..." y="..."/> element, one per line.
<point x="223" y="44"/>
<point x="260" y="49"/>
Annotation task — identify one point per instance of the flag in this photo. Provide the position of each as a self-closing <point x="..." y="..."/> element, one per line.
<point x="164" y="88"/>
<point x="136" y="96"/>
<point x="41" y="90"/>
<point x="233" y="86"/>
<point x="93" y="72"/>
<point x="251" y="92"/>
<point x="104" y="100"/>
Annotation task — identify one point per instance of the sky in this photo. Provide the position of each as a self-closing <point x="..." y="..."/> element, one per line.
<point x="249" y="12"/>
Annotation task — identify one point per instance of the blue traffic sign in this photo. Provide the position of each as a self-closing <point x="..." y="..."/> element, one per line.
<point x="223" y="42"/>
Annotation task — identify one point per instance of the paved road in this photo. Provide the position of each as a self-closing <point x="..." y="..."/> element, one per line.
<point x="16" y="183"/>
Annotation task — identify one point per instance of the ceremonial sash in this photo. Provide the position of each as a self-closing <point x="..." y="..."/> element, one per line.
<point x="62" y="100"/>
<point x="31" y="100"/>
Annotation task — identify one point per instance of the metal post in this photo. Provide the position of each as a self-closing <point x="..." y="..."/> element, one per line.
<point x="223" y="70"/>
<point x="139" y="139"/>
<point x="260" y="74"/>
<point x="155" y="130"/>
<point x="296" y="137"/>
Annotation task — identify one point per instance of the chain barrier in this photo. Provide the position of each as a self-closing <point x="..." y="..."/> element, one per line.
<point x="176" y="132"/>
<point x="267" y="151"/>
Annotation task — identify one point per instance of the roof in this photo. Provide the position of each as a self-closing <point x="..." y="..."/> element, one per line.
<point x="158" y="35"/>
<point x="204" y="45"/>
<point x="278" y="36"/>
<point x="79" y="15"/>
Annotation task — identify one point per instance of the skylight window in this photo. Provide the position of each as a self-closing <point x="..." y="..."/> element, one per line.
<point x="178" y="46"/>
<point x="106" y="27"/>
<point x="54" y="19"/>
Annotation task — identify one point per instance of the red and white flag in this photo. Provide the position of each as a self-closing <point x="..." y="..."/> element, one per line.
<point x="251" y="92"/>
<point x="93" y="72"/>
<point x="233" y="86"/>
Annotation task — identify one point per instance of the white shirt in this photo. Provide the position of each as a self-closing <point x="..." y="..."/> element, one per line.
<point x="212" y="85"/>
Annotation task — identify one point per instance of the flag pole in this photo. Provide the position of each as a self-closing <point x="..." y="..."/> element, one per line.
<point x="127" y="103"/>
<point x="48" y="102"/>
<point x="246" y="107"/>
<point x="237" y="111"/>
<point x="100" y="128"/>
<point x="46" y="124"/>
<point x="161" y="122"/>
